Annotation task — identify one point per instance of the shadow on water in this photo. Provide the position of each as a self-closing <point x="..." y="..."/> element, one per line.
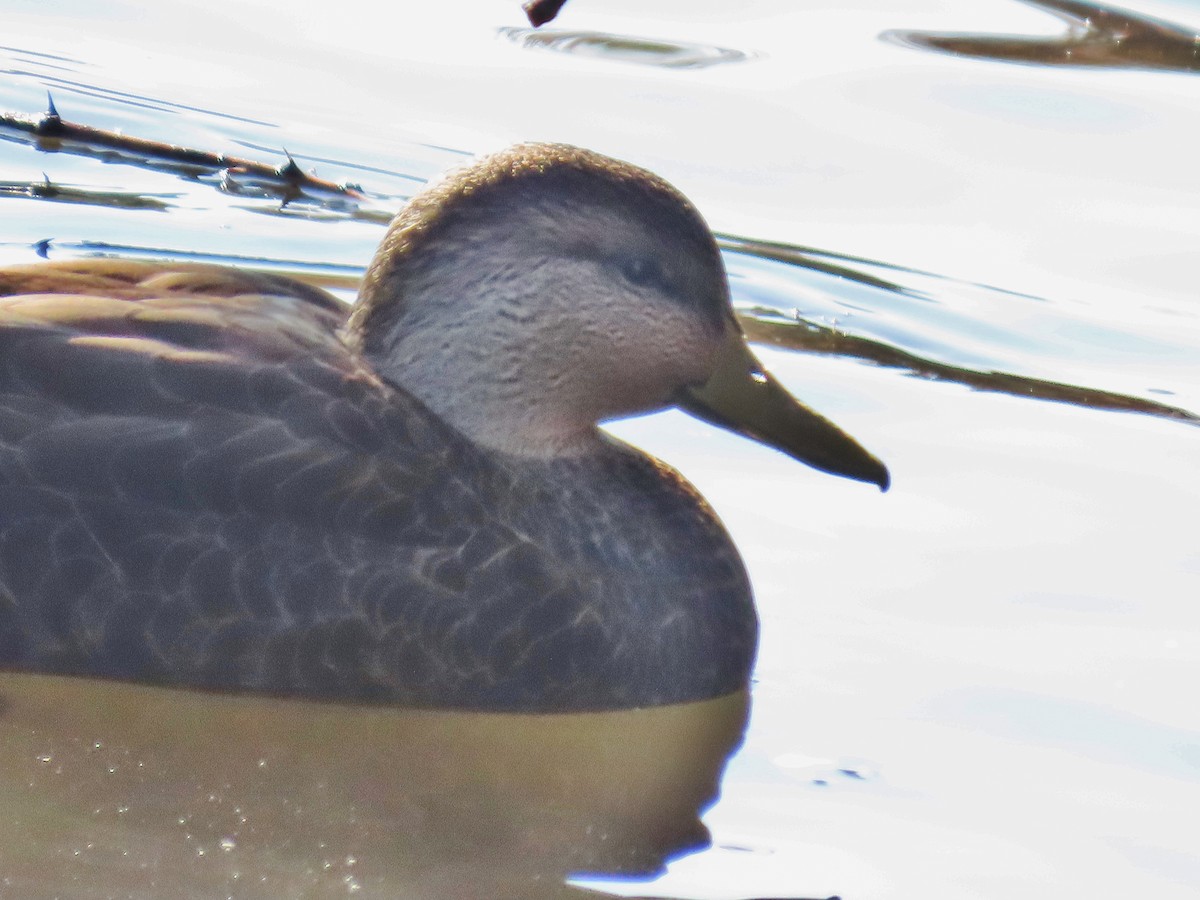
<point x="1097" y="35"/>
<point x="290" y="191"/>
<point x="117" y="789"/>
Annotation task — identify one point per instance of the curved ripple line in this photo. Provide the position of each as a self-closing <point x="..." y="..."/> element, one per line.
<point x="661" y="52"/>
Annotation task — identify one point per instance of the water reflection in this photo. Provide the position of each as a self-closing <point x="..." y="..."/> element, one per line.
<point x="1096" y="35"/>
<point x="805" y="331"/>
<point x="112" y="788"/>
<point x="661" y="52"/>
<point x="65" y="193"/>
<point x="814" y="338"/>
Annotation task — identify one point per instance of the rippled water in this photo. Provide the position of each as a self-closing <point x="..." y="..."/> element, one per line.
<point x="977" y="685"/>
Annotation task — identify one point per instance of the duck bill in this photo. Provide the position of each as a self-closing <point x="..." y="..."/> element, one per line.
<point x="744" y="398"/>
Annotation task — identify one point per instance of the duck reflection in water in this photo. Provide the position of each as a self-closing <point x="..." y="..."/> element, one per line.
<point x="295" y="596"/>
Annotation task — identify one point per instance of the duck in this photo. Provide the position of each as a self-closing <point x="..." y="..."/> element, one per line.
<point x="231" y="481"/>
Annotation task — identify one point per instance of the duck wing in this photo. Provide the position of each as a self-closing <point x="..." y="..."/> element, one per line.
<point x="200" y="484"/>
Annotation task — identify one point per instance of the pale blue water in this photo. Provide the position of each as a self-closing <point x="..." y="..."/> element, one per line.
<point x="1004" y="647"/>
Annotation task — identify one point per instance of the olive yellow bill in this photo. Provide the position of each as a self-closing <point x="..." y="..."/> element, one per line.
<point x="743" y="397"/>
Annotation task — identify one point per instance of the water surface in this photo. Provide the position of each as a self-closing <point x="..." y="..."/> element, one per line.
<point x="976" y="685"/>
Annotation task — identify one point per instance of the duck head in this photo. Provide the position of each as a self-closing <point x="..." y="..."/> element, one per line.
<point x="545" y="289"/>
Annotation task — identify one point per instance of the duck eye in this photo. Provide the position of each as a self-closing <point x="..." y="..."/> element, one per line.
<point x="642" y="271"/>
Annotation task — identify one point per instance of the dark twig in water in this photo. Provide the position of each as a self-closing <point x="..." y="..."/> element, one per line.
<point x="542" y="11"/>
<point x="50" y="133"/>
